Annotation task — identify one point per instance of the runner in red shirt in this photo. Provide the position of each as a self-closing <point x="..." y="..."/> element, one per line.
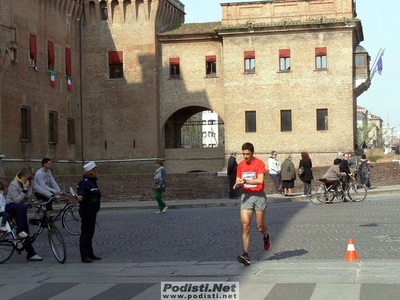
<point x="250" y="177"/>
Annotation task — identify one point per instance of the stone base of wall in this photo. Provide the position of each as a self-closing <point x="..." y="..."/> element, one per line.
<point x="137" y="187"/>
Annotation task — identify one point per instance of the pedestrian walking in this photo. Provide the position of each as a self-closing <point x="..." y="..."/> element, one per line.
<point x="89" y="205"/>
<point x="231" y="172"/>
<point x="160" y="176"/>
<point x="250" y="176"/>
<point x="288" y="175"/>
<point x="307" y="175"/>
<point x="363" y="170"/>
<point x="275" y="171"/>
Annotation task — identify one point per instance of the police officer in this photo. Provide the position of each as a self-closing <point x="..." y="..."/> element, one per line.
<point x="89" y="204"/>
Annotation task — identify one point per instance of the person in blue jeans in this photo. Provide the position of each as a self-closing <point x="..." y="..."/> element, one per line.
<point x="160" y="175"/>
<point x="19" y="194"/>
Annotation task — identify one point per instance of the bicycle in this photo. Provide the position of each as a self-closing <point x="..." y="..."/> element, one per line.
<point x="326" y="194"/>
<point x="69" y="214"/>
<point x="9" y="241"/>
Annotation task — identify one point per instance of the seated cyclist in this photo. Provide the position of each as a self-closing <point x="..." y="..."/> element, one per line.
<point x="332" y="176"/>
<point x="19" y="194"/>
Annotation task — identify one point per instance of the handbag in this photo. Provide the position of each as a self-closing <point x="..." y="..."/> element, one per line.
<point x="301" y="171"/>
<point x="156" y="185"/>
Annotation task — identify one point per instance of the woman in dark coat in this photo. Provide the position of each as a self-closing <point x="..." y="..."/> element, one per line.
<point x="89" y="205"/>
<point x="307" y="175"/>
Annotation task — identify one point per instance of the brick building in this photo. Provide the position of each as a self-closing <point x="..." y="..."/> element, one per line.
<point x="282" y="74"/>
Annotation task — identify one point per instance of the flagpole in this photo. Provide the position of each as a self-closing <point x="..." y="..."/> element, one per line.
<point x="373" y="68"/>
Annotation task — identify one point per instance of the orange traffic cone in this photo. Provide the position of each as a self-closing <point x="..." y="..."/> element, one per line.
<point x="351" y="251"/>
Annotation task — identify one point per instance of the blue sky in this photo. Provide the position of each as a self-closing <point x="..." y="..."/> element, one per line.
<point x="380" y="27"/>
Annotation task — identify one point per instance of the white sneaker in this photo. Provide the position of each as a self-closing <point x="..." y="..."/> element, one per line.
<point x="22" y="235"/>
<point x="159" y="211"/>
<point x="165" y="208"/>
<point x="35" y="258"/>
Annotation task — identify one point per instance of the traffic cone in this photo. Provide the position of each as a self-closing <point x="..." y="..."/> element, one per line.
<point x="351" y="251"/>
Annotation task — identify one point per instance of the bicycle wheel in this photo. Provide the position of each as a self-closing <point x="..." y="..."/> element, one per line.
<point x="315" y="195"/>
<point x="324" y="195"/>
<point x="71" y="220"/>
<point x="57" y="243"/>
<point x="6" y="246"/>
<point x="357" y="191"/>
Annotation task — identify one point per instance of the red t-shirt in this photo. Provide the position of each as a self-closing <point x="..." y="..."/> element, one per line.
<point x="251" y="171"/>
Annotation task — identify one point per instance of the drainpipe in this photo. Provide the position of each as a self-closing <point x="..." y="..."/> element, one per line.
<point x="81" y="80"/>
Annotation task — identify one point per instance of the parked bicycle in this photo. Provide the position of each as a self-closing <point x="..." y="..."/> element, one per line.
<point x="69" y="214"/>
<point x="9" y="241"/>
<point x="352" y="191"/>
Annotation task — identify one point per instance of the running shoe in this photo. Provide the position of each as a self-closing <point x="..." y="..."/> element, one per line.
<point x="244" y="259"/>
<point x="165" y="208"/>
<point x="267" y="242"/>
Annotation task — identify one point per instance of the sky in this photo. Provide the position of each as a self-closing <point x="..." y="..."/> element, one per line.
<point x="380" y="28"/>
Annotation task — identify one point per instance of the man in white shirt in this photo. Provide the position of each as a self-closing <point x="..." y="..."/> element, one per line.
<point x="45" y="186"/>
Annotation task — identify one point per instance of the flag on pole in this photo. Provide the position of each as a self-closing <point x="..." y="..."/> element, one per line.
<point x="69" y="83"/>
<point x="379" y="65"/>
<point x="52" y="78"/>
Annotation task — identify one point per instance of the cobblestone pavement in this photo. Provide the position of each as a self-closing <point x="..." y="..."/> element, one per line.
<point x="299" y="230"/>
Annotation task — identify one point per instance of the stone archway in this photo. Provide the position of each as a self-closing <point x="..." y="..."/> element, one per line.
<point x="195" y="140"/>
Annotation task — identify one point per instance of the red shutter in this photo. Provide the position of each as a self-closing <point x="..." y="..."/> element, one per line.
<point x="50" y="50"/>
<point x="211" y="58"/>
<point x="115" y="57"/>
<point x="68" y="68"/>
<point x="284" y="53"/>
<point x="33" y="47"/>
<point x="321" y="51"/>
<point x="249" y="54"/>
<point x="174" y="61"/>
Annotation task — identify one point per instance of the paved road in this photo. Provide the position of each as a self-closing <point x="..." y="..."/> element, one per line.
<point x="140" y="249"/>
<point x="299" y="230"/>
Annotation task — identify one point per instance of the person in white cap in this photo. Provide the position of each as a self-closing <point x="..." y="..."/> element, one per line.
<point x="89" y="204"/>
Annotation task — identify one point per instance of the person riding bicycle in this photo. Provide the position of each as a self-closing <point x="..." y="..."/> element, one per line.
<point x="45" y="186"/>
<point x="19" y="194"/>
<point x="332" y="176"/>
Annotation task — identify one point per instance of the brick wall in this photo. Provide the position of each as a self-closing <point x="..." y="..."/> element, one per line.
<point x="137" y="187"/>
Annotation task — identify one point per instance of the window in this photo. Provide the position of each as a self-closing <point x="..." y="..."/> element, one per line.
<point x="103" y="10"/>
<point x="250" y="121"/>
<point x="53" y="127"/>
<point x="116" y="64"/>
<point x="320" y="58"/>
<point x="25" y="124"/>
<point x="68" y="62"/>
<point x="71" y="130"/>
<point x="360" y="60"/>
<point x="286" y="120"/>
<point x="284" y="60"/>
<point x="249" y="61"/>
<point x="174" y="71"/>
<point x="322" y="119"/>
<point x="211" y="66"/>
<point x="50" y="56"/>
<point x="32" y="49"/>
